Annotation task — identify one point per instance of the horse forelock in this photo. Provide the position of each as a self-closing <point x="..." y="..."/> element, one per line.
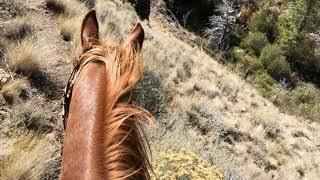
<point x="126" y="150"/>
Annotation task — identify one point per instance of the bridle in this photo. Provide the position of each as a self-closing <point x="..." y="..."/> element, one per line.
<point x="67" y="94"/>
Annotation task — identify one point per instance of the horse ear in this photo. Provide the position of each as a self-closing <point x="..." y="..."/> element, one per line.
<point x="136" y="37"/>
<point x="89" y="29"/>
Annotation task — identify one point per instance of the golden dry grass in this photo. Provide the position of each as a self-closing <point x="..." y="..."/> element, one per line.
<point x="69" y="27"/>
<point x="23" y="57"/>
<point x="32" y="117"/>
<point x="70" y="15"/>
<point x="29" y="149"/>
<point x="66" y="7"/>
<point x="30" y="155"/>
<point x="18" y="28"/>
<point x="12" y="89"/>
<point x="116" y="19"/>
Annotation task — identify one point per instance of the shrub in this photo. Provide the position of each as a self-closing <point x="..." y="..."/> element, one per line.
<point x="303" y="55"/>
<point x="12" y="90"/>
<point x="30" y="158"/>
<point x="264" y="83"/>
<point x="304" y="100"/>
<point x="69" y="27"/>
<point x="235" y="55"/>
<point x="254" y="42"/>
<point x="269" y="53"/>
<point x="70" y="8"/>
<point x="279" y="68"/>
<point x="183" y="165"/>
<point x="18" y="28"/>
<point x="263" y="21"/>
<point x="56" y="5"/>
<point x="249" y="64"/>
<point x="23" y="57"/>
<point x="274" y="61"/>
<point x="11" y="8"/>
<point x="29" y="116"/>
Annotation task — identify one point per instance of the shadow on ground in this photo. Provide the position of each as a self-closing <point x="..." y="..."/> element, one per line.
<point x="52" y="89"/>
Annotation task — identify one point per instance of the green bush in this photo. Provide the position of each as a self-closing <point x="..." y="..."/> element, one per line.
<point x="269" y="53"/>
<point x="290" y="21"/>
<point x="245" y="63"/>
<point x="304" y="100"/>
<point x="250" y="65"/>
<point x="279" y="68"/>
<point x="273" y="59"/>
<point x="303" y="54"/>
<point x="264" y="83"/>
<point x="263" y="21"/>
<point x="312" y="21"/>
<point x="254" y="42"/>
<point x="235" y="55"/>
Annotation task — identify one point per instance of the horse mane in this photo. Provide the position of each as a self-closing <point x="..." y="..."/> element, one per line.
<point x="126" y="149"/>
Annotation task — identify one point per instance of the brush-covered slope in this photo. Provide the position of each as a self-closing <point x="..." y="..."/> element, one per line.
<point x="211" y="124"/>
<point x="203" y="107"/>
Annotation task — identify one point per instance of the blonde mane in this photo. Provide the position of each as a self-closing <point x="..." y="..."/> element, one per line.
<point x="126" y="151"/>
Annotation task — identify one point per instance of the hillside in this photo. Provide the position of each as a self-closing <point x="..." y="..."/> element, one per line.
<point x="211" y="123"/>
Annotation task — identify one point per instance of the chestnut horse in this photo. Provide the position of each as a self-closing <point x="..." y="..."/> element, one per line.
<point x="104" y="137"/>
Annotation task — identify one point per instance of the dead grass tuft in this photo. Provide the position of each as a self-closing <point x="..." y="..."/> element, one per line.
<point x="12" y="90"/>
<point x="29" y="158"/>
<point x="69" y="27"/>
<point x="116" y="20"/>
<point x="18" y="28"/>
<point x="23" y="57"/>
<point x="57" y="6"/>
<point x="29" y="116"/>
<point x="11" y="8"/>
<point x="66" y="7"/>
<point x="71" y="13"/>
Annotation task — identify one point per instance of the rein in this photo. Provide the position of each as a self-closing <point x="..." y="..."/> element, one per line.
<point x="69" y="88"/>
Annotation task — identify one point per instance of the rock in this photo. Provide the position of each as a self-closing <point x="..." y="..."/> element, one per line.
<point x="4" y="76"/>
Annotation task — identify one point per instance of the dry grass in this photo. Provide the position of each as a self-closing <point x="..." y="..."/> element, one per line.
<point x="28" y="116"/>
<point x="11" y="8"/>
<point x="110" y="14"/>
<point x="29" y="158"/>
<point x="18" y="28"/>
<point x="23" y="57"/>
<point x="217" y="114"/>
<point x="66" y="7"/>
<point x="71" y="13"/>
<point x="29" y="148"/>
<point x="12" y="90"/>
<point x="70" y="27"/>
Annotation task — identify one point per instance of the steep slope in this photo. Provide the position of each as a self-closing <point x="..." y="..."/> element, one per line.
<point x="200" y="105"/>
<point x="31" y="126"/>
<point x="218" y="115"/>
<point x="224" y="119"/>
<point x="204" y="107"/>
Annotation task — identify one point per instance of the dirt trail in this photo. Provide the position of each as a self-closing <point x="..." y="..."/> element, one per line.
<point x="55" y="64"/>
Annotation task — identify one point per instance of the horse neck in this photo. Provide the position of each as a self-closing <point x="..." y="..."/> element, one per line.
<point x="103" y="138"/>
<point x="82" y="150"/>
